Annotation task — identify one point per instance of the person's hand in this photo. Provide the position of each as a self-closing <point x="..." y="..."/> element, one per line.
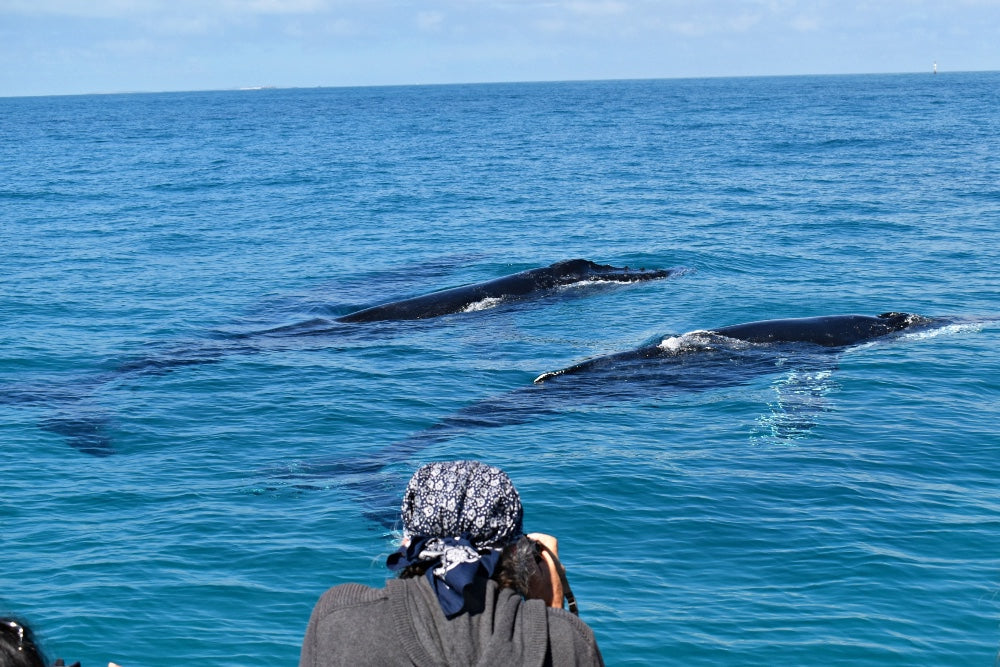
<point x="547" y="585"/>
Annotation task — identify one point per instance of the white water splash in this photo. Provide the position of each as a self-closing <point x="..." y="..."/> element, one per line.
<point x="673" y="344"/>
<point x="947" y="330"/>
<point x="582" y="283"/>
<point x="484" y="304"/>
<point x="699" y="339"/>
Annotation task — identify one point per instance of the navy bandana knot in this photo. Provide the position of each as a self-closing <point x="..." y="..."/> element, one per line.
<point x="458" y="516"/>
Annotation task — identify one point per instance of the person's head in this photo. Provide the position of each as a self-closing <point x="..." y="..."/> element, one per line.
<point x="453" y="498"/>
<point x="462" y="522"/>
<point x="17" y="645"/>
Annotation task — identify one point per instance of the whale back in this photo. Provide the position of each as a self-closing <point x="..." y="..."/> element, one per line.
<point x="828" y="331"/>
<point x="512" y="287"/>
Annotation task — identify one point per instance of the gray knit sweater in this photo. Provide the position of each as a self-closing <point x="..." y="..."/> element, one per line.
<point x="402" y="624"/>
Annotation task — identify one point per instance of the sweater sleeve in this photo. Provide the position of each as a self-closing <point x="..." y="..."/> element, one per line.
<point x="571" y="641"/>
<point x="314" y="652"/>
<point x="307" y="657"/>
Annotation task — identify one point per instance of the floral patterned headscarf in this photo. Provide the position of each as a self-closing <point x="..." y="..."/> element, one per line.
<point x="458" y="515"/>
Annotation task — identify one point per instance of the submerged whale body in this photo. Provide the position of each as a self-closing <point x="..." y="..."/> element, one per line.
<point x="832" y="331"/>
<point x="87" y="430"/>
<point x="515" y="287"/>
<point x="697" y="361"/>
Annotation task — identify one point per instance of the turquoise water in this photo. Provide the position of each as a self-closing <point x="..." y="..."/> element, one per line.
<point x="843" y="513"/>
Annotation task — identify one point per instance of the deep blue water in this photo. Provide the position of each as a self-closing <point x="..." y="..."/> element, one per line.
<point x="842" y="513"/>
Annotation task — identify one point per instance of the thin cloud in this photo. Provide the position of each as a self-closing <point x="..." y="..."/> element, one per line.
<point x="430" y="21"/>
<point x="51" y="46"/>
<point x="597" y="8"/>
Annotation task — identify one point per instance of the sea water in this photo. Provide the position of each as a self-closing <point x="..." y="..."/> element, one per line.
<point x="192" y="513"/>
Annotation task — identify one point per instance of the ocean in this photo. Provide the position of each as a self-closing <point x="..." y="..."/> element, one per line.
<point x="179" y="489"/>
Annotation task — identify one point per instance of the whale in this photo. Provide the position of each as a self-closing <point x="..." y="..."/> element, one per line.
<point x="700" y="360"/>
<point x="830" y="331"/>
<point x="87" y="429"/>
<point x="515" y="287"/>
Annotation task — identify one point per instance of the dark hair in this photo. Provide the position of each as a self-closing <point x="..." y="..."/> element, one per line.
<point x="518" y="564"/>
<point x="17" y="645"/>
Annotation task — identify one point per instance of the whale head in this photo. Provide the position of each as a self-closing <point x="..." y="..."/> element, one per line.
<point x="894" y="321"/>
<point x="576" y="270"/>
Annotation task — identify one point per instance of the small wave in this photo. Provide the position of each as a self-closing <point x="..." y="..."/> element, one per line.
<point x="955" y="328"/>
<point x="484" y="304"/>
<point x="947" y="330"/>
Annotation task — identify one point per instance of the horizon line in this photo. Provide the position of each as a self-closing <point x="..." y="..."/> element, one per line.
<point x="254" y="88"/>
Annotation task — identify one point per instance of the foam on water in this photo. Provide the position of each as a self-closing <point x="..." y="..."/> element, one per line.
<point x="949" y="330"/>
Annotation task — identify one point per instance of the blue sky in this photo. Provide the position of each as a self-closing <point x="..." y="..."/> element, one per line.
<point x="85" y="46"/>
